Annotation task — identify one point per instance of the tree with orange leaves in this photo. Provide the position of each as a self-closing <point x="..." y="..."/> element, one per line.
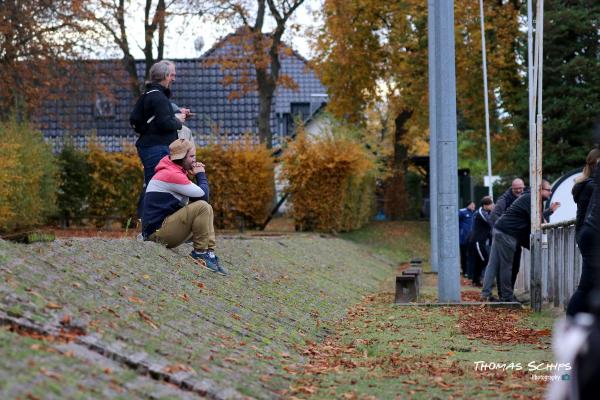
<point x="36" y="39"/>
<point x="256" y="51"/>
<point x="372" y="52"/>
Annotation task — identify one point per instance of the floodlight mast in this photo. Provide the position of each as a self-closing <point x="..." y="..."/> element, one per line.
<point x="444" y="158"/>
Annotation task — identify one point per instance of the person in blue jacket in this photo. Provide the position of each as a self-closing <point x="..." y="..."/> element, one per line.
<point x="465" y="224"/>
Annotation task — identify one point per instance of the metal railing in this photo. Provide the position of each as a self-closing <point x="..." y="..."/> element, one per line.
<point x="561" y="264"/>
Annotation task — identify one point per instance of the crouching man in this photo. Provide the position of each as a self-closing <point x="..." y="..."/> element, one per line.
<point x="176" y="209"/>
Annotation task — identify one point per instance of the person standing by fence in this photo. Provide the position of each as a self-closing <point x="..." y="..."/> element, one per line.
<point x="503" y="203"/>
<point x="511" y="232"/>
<point x="588" y="241"/>
<point x="583" y="189"/>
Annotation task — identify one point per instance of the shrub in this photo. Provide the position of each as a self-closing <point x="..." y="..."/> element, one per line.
<point x="28" y="177"/>
<point x="116" y="183"/>
<point x="331" y="181"/>
<point x="75" y="184"/>
<point x="241" y="181"/>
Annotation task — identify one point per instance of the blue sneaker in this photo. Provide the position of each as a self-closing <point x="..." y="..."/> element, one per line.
<point x="215" y="259"/>
<point x="210" y="263"/>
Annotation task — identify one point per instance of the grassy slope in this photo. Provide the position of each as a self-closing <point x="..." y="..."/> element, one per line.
<point x="239" y="332"/>
<point x="278" y="326"/>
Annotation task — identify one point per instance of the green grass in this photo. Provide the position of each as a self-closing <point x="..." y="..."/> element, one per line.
<point x="386" y="351"/>
<point x="397" y="241"/>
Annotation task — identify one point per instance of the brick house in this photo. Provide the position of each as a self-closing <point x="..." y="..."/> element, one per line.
<point x="98" y="102"/>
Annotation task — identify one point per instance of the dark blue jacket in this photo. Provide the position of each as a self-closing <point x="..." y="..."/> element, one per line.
<point x="465" y="224"/>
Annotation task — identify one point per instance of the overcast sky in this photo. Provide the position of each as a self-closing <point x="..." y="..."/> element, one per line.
<point x="179" y="42"/>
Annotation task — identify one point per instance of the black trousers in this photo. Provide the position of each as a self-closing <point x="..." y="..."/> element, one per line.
<point x="516" y="265"/>
<point x="463" y="258"/>
<point x="589" y="247"/>
<point x="478" y="256"/>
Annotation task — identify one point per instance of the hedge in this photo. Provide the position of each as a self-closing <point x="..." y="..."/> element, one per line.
<point x="241" y="182"/>
<point x="331" y="182"/>
<point x="28" y="177"/>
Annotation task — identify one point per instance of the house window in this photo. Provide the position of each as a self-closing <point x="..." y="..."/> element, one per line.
<point x="301" y="110"/>
<point x="104" y="106"/>
<point x="298" y="111"/>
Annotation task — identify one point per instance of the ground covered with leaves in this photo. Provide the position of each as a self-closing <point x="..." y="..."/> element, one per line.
<point x="300" y="316"/>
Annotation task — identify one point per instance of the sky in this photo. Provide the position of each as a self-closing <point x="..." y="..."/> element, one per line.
<point x="180" y="37"/>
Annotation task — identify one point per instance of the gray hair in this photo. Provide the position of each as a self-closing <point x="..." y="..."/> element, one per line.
<point x="160" y="70"/>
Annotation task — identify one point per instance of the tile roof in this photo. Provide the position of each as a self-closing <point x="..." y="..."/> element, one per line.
<point x="98" y="102"/>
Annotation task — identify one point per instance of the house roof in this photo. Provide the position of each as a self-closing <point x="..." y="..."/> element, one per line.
<point x="98" y="101"/>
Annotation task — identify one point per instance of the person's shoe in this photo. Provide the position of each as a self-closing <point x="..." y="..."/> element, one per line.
<point x="511" y="299"/>
<point x="476" y="284"/>
<point x="215" y="258"/>
<point x="206" y="261"/>
<point x="489" y="299"/>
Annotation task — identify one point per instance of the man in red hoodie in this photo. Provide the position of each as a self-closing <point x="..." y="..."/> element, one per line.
<point x="176" y="209"/>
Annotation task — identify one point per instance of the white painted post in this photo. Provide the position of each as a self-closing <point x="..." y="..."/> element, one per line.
<point x="486" y="102"/>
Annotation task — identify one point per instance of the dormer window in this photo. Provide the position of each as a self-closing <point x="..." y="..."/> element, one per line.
<point x="104" y="107"/>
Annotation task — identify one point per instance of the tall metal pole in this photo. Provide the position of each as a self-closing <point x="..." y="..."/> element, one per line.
<point x="535" y="157"/>
<point x="433" y="120"/>
<point x="446" y="155"/>
<point x="486" y="102"/>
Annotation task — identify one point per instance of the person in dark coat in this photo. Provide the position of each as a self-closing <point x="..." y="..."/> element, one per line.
<point x="589" y="246"/>
<point x="480" y="240"/>
<point x="503" y="203"/>
<point x="584" y="187"/>
<point x="510" y="232"/>
<point x="163" y="122"/>
<point x="465" y="223"/>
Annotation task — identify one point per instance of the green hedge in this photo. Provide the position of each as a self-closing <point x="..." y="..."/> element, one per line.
<point x="28" y="177"/>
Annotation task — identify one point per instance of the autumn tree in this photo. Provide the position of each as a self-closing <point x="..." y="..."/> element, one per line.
<point x="257" y="46"/>
<point x="110" y="17"/>
<point x="36" y="39"/>
<point x="373" y="51"/>
<point x="571" y="87"/>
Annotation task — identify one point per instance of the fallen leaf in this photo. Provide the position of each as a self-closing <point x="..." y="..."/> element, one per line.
<point x="50" y="374"/>
<point x="199" y="284"/>
<point x="54" y="306"/>
<point x="146" y="318"/>
<point x="185" y="297"/>
<point x="136" y="300"/>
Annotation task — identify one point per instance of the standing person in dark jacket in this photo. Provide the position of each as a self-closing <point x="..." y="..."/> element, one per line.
<point x="153" y="144"/>
<point x="584" y="187"/>
<point x="465" y="224"/>
<point x="510" y="231"/>
<point x="479" y="240"/>
<point x="589" y="246"/>
<point x="503" y="203"/>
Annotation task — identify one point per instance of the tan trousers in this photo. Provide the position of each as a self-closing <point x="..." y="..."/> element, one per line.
<point x="195" y="220"/>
